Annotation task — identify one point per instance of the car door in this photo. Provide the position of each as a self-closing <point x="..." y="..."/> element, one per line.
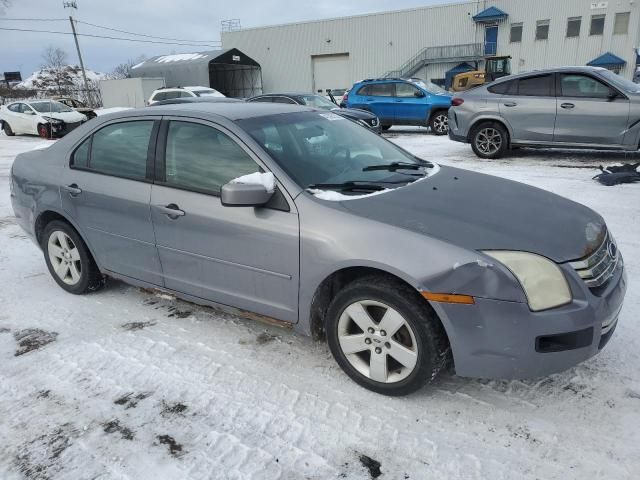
<point x="16" y="119"/>
<point x="410" y="104"/>
<point x="379" y="99"/>
<point x="31" y="119"/>
<point x="529" y="107"/>
<point x="244" y="257"/>
<point x="590" y="111"/>
<point x="106" y="190"/>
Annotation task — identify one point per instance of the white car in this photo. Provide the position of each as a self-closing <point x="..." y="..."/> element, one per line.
<point x="46" y="118"/>
<point x="168" y="93"/>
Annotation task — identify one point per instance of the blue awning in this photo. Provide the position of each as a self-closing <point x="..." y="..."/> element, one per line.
<point x="607" y="60"/>
<point x="491" y="14"/>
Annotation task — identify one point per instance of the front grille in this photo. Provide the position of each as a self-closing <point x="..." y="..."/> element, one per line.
<point x="597" y="268"/>
<point x="70" y="126"/>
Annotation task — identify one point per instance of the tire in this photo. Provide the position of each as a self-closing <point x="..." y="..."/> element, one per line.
<point x="385" y="301"/>
<point x="7" y="129"/>
<point x="439" y="123"/>
<point x="386" y="127"/>
<point x="58" y="238"/>
<point x="489" y="140"/>
<point x="44" y="131"/>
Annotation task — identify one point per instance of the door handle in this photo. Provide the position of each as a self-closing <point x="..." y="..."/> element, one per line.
<point x="73" y="189"/>
<point x="172" y="210"/>
<point x="567" y="105"/>
<point x="510" y="104"/>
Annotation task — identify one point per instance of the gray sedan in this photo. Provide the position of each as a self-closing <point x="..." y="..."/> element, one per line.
<point x="403" y="265"/>
<point x="571" y="107"/>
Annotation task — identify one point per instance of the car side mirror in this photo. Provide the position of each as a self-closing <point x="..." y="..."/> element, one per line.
<point x="420" y="94"/>
<point x="29" y="112"/>
<point x="244" y="195"/>
<point x="612" y="95"/>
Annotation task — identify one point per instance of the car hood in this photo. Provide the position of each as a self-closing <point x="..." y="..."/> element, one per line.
<point x="483" y="212"/>
<point x="354" y="113"/>
<point x="69" y="117"/>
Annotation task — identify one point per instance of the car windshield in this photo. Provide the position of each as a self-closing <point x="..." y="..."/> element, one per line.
<point x="207" y="93"/>
<point x="50" y="107"/>
<point x="621" y="82"/>
<point x="431" y="87"/>
<point x="316" y="148"/>
<point x="316" y="101"/>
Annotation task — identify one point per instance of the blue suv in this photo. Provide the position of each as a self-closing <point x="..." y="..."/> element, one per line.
<point x="397" y="101"/>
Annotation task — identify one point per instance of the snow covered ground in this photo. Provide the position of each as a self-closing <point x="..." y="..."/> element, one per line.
<point x="126" y="384"/>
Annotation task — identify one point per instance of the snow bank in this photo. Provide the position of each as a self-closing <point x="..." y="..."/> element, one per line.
<point x="267" y="179"/>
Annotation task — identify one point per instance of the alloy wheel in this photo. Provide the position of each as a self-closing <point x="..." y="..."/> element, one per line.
<point x="489" y="140"/>
<point x="377" y="341"/>
<point x="64" y="257"/>
<point x="441" y="123"/>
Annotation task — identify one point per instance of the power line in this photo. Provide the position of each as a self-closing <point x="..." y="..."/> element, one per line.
<point x="108" y="37"/>
<point x="141" y="34"/>
<point x="35" y="19"/>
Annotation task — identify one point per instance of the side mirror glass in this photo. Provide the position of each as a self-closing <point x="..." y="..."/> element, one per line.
<point x="612" y="95"/>
<point x="419" y="94"/>
<point x="252" y="190"/>
<point x="28" y="112"/>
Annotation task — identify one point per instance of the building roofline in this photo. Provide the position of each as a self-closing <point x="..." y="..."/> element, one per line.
<point x="350" y="17"/>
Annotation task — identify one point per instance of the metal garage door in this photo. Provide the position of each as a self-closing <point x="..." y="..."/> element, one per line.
<point x="331" y="71"/>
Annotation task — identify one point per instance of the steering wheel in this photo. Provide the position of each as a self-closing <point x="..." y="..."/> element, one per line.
<point x="344" y="163"/>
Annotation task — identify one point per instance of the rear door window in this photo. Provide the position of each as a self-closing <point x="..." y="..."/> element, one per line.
<point x="382" y="90"/>
<point x="16" y="108"/>
<point x="538" y="86"/>
<point x="119" y="149"/>
<point x="159" y="96"/>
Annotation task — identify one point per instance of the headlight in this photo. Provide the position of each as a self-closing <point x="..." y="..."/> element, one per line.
<point x="541" y="279"/>
<point x="51" y="119"/>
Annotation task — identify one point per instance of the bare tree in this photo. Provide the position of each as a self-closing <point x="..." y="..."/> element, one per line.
<point x="56" y="74"/>
<point x="4" y="4"/>
<point x="123" y="70"/>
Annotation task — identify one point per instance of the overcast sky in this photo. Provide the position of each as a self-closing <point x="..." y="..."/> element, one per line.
<point x="184" y="19"/>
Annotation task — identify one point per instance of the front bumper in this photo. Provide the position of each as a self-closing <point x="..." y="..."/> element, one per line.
<point x="62" y="128"/>
<point x="505" y="340"/>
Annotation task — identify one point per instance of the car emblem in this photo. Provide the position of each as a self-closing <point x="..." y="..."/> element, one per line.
<point x="612" y="250"/>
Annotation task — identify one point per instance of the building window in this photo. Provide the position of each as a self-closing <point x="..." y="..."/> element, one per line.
<point x="516" y="32"/>
<point x="597" y="25"/>
<point x="573" y="26"/>
<point x="621" y="26"/>
<point x="542" y="29"/>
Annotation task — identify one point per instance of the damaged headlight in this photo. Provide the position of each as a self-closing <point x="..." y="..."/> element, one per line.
<point x="52" y="120"/>
<point x="543" y="282"/>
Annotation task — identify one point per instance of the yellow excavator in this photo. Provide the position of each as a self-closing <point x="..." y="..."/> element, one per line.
<point x="494" y="67"/>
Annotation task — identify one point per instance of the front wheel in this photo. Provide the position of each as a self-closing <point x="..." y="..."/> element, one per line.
<point x="489" y="140"/>
<point x="439" y="123"/>
<point x="44" y="131"/>
<point x="69" y="260"/>
<point x="384" y="336"/>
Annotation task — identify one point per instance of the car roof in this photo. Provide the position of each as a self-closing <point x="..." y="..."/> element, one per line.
<point x="229" y="110"/>
<point x="287" y="94"/>
<point x="579" y="69"/>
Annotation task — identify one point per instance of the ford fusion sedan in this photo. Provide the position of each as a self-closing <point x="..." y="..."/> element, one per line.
<point x="300" y="215"/>
<point x="570" y="107"/>
<point x="365" y="118"/>
<point x="46" y="118"/>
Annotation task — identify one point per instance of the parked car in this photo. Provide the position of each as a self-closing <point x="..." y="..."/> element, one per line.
<point x="46" y="118"/>
<point x="399" y="101"/>
<point x="207" y="99"/>
<point x="303" y="216"/>
<point x="363" y="117"/>
<point x="166" y="93"/>
<point x="570" y="107"/>
<point x="77" y="105"/>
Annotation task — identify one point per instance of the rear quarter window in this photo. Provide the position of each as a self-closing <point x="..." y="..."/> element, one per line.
<point x="504" y="88"/>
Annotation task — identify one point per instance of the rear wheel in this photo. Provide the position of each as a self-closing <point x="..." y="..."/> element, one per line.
<point x="385" y="337"/>
<point x="489" y="140"/>
<point x="44" y="131"/>
<point x="69" y="260"/>
<point x="7" y="129"/>
<point x="439" y="123"/>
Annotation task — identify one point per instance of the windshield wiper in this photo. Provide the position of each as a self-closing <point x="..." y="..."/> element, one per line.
<point x="349" y="186"/>
<point x="395" y="166"/>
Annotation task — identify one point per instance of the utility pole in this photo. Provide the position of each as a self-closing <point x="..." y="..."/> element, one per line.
<point x="74" y="5"/>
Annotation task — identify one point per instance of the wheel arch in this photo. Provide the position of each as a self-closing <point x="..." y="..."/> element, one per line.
<point x="490" y="119"/>
<point x="332" y="283"/>
<point x="47" y="216"/>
